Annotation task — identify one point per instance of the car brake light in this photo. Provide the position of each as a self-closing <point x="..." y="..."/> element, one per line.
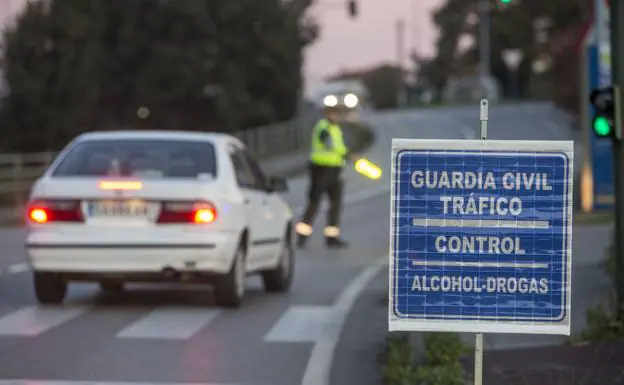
<point x="204" y="216"/>
<point x="187" y="212"/>
<point x="41" y="212"/>
<point x="38" y="215"/>
<point x="120" y="185"/>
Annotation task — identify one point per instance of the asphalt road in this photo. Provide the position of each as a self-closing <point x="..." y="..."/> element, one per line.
<point x="167" y="335"/>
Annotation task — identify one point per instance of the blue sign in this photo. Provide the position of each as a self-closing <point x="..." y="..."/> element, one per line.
<point x="481" y="236"/>
<point x="601" y="149"/>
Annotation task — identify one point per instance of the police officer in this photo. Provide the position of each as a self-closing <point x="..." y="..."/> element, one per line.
<point x="327" y="161"/>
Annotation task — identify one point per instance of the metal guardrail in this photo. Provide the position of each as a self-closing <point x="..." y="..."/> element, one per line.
<point x="19" y="171"/>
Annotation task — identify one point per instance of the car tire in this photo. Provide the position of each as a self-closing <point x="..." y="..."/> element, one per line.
<point x="279" y="279"/>
<point x="49" y="288"/>
<point x="229" y="289"/>
<point x="112" y="287"/>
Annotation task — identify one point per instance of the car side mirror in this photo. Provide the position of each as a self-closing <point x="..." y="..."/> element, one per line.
<point x="278" y="184"/>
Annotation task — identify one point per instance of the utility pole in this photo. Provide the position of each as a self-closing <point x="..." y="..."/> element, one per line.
<point x="617" y="69"/>
<point x="400" y="52"/>
<point x="599" y="29"/>
<point x="484" y="44"/>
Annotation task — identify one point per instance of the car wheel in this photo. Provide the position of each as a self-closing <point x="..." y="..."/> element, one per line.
<point x="279" y="279"/>
<point x="49" y="288"/>
<point x="229" y="289"/>
<point x="111" y="287"/>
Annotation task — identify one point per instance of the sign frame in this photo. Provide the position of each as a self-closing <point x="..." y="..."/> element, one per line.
<point x="557" y="327"/>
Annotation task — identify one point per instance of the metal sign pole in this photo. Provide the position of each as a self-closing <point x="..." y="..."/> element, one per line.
<point x="478" y="375"/>
<point x="484" y="118"/>
<point x="478" y="368"/>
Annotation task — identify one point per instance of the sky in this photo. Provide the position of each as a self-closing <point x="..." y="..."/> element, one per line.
<point x="346" y="43"/>
<point x="368" y="40"/>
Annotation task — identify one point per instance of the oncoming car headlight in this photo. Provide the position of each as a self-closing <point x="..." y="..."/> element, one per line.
<point x="350" y="100"/>
<point x="330" y="101"/>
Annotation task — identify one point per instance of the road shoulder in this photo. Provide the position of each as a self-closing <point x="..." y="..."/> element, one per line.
<point x="357" y="356"/>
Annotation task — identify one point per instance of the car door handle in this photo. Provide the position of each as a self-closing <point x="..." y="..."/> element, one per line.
<point x="246" y="201"/>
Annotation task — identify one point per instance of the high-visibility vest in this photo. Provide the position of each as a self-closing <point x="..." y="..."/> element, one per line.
<point x="329" y="156"/>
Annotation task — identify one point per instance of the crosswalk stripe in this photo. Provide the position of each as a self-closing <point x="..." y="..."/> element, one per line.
<point x="33" y="321"/>
<point x="170" y="323"/>
<point x="303" y="324"/>
<point x="18" y="268"/>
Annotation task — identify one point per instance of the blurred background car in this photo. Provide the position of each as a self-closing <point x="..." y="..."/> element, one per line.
<point x="351" y="96"/>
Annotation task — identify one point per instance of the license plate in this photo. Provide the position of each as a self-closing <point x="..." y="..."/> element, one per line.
<point x="127" y="209"/>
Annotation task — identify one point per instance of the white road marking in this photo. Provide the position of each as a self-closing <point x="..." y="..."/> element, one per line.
<point x="18" y="268"/>
<point x="33" y="321"/>
<point x="303" y="324"/>
<point x="170" y="323"/>
<point x="319" y="365"/>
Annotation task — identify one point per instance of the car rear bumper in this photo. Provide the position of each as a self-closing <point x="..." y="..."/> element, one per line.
<point x="212" y="254"/>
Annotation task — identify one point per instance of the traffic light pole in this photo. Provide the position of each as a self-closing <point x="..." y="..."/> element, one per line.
<point x="617" y="66"/>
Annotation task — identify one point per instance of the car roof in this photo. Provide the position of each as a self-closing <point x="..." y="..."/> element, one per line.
<point x="216" y="137"/>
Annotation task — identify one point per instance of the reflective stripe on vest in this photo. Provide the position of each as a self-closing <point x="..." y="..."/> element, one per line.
<point x="323" y="155"/>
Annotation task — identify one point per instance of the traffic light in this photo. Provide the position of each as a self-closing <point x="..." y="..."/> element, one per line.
<point x="505" y="1"/>
<point x="353" y="10"/>
<point x="603" y="100"/>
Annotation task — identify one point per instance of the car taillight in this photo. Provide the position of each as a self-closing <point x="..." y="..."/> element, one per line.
<point x="187" y="212"/>
<point x="47" y="211"/>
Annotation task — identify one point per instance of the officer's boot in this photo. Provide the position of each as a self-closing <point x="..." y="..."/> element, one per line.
<point x="301" y="241"/>
<point x="304" y="231"/>
<point x="332" y="238"/>
<point x="336" y="243"/>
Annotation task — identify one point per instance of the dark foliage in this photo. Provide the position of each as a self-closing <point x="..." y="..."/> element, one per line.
<point x="81" y="65"/>
<point x="513" y="26"/>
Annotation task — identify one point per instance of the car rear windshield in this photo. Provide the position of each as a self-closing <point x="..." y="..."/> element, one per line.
<point x="139" y="158"/>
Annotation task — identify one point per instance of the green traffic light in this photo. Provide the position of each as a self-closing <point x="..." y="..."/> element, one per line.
<point x="602" y="126"/>
<point x="505" y="1"/>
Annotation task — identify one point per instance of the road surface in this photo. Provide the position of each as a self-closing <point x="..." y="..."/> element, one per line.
<point x="172" y="336"/>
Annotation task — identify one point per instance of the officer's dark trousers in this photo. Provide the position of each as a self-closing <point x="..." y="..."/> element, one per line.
<point x="324" y="180"/>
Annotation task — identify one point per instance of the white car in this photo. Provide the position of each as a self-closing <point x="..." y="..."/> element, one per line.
<point x="151" y="206"/>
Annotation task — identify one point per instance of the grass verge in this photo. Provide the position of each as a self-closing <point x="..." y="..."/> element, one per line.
<point x="440" y="366"/>
<point x="603" y="323"/>
<point x="593" y="218"/>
